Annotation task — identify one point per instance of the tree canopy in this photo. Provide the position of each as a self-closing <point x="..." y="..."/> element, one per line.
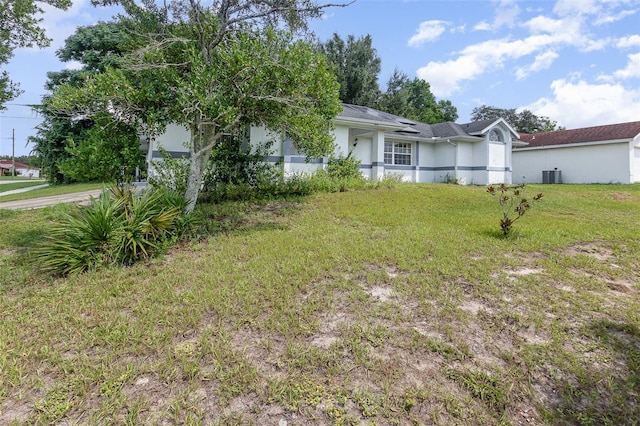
<point x="357" y="66"/>
<point x="413" y="99"/>
<point x="76" y="148"/>
<point x="20" y="27"/>
<point x="524" y="121"/>
<point x="214" y="68"/>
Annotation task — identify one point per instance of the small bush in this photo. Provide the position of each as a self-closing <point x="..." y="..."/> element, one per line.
<point x="119" y="227"/>
<point x="513" y="203"/>
<point x="169" y="174"/>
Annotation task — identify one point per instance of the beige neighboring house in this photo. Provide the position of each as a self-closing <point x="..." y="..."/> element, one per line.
<point x="22" y="170"/>
<point x="599" y="154"/>
<point x="473" y="153"/>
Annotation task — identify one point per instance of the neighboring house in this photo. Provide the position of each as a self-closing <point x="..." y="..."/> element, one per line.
<point x="21" y="169"/>
<point x="600" y="154"/>
<point x="474" y="153"/>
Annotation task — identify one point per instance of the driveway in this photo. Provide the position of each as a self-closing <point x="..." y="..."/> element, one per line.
<point x="36" y="203"/>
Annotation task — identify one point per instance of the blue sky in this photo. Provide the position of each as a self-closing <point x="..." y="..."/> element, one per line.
<point x="575" y="61"/>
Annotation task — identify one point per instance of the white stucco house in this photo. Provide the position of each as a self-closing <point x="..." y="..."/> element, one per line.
<point x="22" y="170"/>
<point x="473" y="153"/>
<point x="600" y="154"/>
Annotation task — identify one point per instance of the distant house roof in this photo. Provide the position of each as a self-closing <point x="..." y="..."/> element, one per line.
<point x="404" y="127"/>
<point x="607" y="133"/>
<point x="7" y="164"/>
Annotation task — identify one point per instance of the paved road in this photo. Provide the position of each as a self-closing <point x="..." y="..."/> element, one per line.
<point x="36" y="203"/>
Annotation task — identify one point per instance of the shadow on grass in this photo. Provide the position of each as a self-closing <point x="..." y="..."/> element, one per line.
<point x="243" y="218"/>
<point x="608" y="395"/>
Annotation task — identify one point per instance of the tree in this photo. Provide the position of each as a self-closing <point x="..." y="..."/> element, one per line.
<point x="524" y="121"/>
<point x="214" y="69"/>
<point x="20" y="27"/>
<point x="413" y="99"/>
<point x="357" y="66"/>
<point x="83" y="149"/>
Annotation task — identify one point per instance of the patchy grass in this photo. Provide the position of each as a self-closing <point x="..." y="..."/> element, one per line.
<point x="389" y="306"/>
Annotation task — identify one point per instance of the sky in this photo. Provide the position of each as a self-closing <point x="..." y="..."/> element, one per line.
<point x="574" y="61"/>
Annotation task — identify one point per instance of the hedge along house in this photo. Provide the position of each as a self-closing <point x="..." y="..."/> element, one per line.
<point x="600" y="154"/>
<point x="474" y="153"/>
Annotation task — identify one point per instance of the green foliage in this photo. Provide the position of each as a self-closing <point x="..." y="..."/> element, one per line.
<point x="105" y="154"/>
<point x="413" y="99"/>
<point x="170" y="174"/>
<point x="239" y="73"/>
<point x="513" y="203"/>
<point x="357" y="66"/>
<point x="342" y="167"/>
<point x="20" y="27"/>
<point x="524" y="121"/>
<point x="231" y="163"/>
<point x="93" y="148"/>
<point x="117" y="228"/>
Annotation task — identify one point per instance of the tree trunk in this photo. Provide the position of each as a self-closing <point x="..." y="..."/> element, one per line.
<point x="203" y="139"/>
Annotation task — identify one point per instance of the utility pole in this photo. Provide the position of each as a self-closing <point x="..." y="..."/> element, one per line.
<point x="13" y="154"/>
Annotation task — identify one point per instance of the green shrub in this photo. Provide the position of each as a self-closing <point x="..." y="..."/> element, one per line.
<point x="119" y="227"/>
<point x="170" y="174"/>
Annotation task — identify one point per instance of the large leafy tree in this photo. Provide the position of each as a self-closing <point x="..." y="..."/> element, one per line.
<point x="357" y="66"/>
<point x="20" y="27"/>
<point x="214" y="68"/>
<point x="413" y="99"/>
<point x="524" y="121"/>
<point x="74" y="148"/>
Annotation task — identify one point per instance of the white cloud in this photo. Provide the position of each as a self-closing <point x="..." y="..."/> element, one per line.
<point x="573" y="7"/>
<point x="630" y="41"/>
<point x="606" y="18"/>
<point x="428" y="31"/>
<point x="582" y="104"/>
<point x="505" y="15"/>
<point x="542" y="62"/>
<point x="632" y="70"/>
<point x="446" y="77"/>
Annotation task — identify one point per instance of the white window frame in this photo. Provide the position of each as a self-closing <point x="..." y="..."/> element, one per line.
<point x="397" y="153"/>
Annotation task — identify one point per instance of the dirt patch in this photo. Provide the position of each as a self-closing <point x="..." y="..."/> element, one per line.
<point x="595" y="249"/>
<point x="621" y="287"/>
<point x="15" y="411"/>
<point x="382" y="293"/>
<point x="525" y="271"/>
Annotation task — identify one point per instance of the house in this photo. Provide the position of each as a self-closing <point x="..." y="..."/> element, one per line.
<point x="600" y="154"/>
<point x="20" y="169"/>
<point x="473" y="153"/>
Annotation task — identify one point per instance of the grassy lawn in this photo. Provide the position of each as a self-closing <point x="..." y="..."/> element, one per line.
<point x="389" y="306"/>
<point x="51" y="190"/>
<point x="18" y="185"/>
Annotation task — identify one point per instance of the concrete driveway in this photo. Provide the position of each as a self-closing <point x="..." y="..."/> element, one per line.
<point x="36" y="203"/>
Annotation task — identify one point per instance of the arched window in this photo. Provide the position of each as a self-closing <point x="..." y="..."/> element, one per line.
<point x="495" y="135"/>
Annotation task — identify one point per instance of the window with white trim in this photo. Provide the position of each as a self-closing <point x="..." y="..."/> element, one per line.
<point x="398" y="154"/>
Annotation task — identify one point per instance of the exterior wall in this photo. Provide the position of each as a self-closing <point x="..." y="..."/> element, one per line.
<point x="635" y="168"/>
<point x="465" y="172"/>
<point x="426" y="165"/>
<point x="444" y="158"/>
<point x="362" y="152"/>
<point x="603" y="163"/>
<point x="465" y="162"/>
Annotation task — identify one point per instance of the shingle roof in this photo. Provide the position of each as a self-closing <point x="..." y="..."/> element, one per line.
<point x="477" y="126"/>
<point x="610" y="132"/>
<point x="412" y="128"/>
